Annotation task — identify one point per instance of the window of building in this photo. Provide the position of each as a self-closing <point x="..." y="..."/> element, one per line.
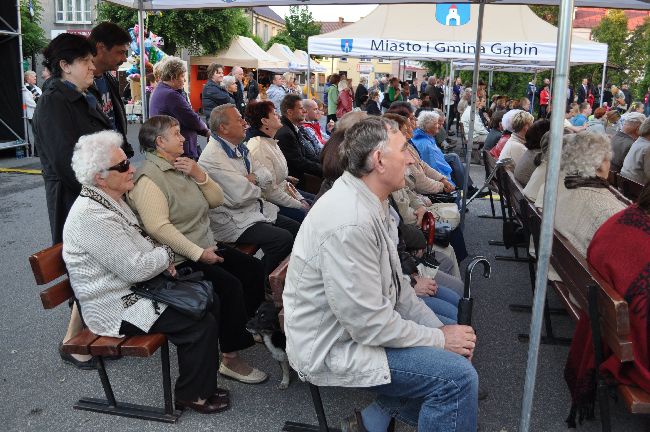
<point x="383" y="60"/>
<point x="258" y="28"/>
<point x="74" y="11"/>
<point x="343" y="59"/>
<point x="265" y="38"/>
<point x="365" y="60"/>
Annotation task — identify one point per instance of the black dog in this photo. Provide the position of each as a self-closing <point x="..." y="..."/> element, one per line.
<point x="266" y="324"/>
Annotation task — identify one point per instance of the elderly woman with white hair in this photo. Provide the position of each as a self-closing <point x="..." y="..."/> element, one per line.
<point x="106" y="253"/>
<point x="624" y="138"/>
<point x="449" y="165"/>
<point x="584" y="200"/>
<point x="516" y="145"/>
<point x="168" y="99"/>
<point x="229" y="84"/>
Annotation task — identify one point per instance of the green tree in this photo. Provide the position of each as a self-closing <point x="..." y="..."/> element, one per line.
<point x="300" y="25"/>
<point x="33" y="36"/>
<point x="638" y="59"/>
<point x="547" y="13"/>
<point x="200" y="31"/>
<point x="612" y="30"/>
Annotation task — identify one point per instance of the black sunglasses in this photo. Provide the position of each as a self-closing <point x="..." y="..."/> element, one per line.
<point x="121" y="167"/>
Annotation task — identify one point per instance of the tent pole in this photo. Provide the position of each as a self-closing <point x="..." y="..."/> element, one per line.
<point x="602" y="83"/>
<point x="309" y="76"/>
<point x="449" y="91"/>
<point x="562" y="62"/>
<point x="29" y="147"/>
<point x="490" y="78"/>
<point x="143" y="69"/>
<point x="472" y="108"/>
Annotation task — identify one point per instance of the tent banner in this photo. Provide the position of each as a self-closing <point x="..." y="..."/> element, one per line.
<point x="503" y="51"/>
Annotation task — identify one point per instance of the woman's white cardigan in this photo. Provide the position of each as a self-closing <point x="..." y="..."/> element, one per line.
<point x="105" y="256"/>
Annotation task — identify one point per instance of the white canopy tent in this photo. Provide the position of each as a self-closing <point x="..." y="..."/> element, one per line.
<point x="199" y="4"/>
<point x="313" y="64"/>
<point x="284" y="53"/>
<point x="418" y="31"/>
<point x="244" y="52"/>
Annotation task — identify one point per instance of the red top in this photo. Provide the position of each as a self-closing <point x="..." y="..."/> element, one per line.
<point x="496" y="151"/>
<point x="544" y="97"/>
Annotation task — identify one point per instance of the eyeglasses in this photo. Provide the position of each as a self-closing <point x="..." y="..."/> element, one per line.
<point x="121" y="167"/>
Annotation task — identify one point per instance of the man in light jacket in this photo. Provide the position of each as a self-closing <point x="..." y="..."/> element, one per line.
<point x="276" y="91"/>
<point x="352" y="320"/>
<point x="245" y="216"/>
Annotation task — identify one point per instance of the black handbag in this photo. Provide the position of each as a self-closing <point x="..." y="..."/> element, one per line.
<point x="443" y="197"/>
<point x="188" y="293"/>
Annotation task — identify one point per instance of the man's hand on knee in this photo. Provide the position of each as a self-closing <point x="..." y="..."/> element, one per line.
<point x="459" y="339"/>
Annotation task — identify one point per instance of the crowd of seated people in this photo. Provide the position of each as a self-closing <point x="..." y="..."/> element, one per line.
<point x="357" y="248"/>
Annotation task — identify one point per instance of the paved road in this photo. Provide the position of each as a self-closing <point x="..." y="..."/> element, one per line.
<point x="37" y="390"/>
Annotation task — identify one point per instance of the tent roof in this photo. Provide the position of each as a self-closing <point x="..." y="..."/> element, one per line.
<point x="304" y="57"/>
<point x="511" y="34"/>
<point x="284" y="53"/>
<point x="196" y="4"/>
<point x="246" y="53"/>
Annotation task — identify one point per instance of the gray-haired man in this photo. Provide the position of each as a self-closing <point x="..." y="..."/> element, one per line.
<point x="371" y="330"/>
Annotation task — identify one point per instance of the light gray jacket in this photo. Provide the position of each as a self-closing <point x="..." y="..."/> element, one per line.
<point x="344" y="296"/>
<point x="636" y="165"/>
<point x="243" y="203"/>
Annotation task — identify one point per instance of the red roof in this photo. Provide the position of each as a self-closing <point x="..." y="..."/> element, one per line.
<point x="590" y="17"/>
<point x="330" y="26"/>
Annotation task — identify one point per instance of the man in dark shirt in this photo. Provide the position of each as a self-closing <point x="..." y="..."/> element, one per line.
<point x="300" y="160"/>
<point x="111" y="43"/>
<point x="238" y="73"/>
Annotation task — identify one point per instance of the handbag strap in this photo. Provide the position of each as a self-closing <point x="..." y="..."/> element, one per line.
<point x="100" y="199"/>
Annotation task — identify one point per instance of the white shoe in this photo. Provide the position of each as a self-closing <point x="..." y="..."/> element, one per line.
<point x="255" y="377"/>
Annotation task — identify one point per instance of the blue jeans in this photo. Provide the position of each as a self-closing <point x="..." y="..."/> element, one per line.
<point x="457" y="170"/>
<point x="436" y="390"/>
<point x="444" y="304"/>
<point x="297" y="214"/>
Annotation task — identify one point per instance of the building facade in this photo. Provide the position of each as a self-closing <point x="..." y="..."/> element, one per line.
<point x="265" y="23"/>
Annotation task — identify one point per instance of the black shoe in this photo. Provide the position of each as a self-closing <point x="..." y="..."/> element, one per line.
<point x="451" y="133"/>
<point x="83" y="365"/>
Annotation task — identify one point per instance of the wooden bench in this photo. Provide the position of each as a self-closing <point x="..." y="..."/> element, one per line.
<point x="628" y="187"/>
<point x="610" y="324"/>
<point x="48" y="266"/>
<point x="511" y="193"/>
<point x="490" y="163"/>
<point x="583" y="291"/>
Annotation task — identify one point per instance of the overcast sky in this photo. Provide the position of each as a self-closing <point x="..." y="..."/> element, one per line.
<point x="332" y="13"/>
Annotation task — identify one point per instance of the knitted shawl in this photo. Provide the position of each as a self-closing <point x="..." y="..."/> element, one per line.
<point x="620" y="253"/>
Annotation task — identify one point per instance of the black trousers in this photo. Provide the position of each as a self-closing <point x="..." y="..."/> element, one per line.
<point x="196" y="346"/>
<point x="275" y="240"/>
<point x="239" y="284"/>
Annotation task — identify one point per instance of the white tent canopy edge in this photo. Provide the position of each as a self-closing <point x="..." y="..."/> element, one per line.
<point x="198" y="4"/>
<point x="419" y="32"/>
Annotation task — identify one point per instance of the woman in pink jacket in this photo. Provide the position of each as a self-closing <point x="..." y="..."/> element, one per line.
<point x="346" y="96"/>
